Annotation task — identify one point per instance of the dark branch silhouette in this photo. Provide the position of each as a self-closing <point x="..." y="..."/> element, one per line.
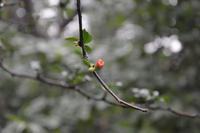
<point x="81" y="41"/>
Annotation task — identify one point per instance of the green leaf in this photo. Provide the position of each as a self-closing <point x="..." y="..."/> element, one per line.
<point x="88" y="48"/>
<point x="70" y="12"/>
<point x="54" y="67"/>
<point x="79" y="77"/>
<point x="86" y="36"/>
<point x="86" y="62"/>
<point x="77" y="51"/>
<point x="71" y="39"/>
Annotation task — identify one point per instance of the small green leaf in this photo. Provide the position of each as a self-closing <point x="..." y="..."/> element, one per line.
<point x="78" y="52"/>
<point x="78" y="78"/>
<point x="86" y="62"/>
<point x="70" y="12"/>
<point x="88" y="48"/>
<point x="71" y="39"/>
<point x="86" y="36"/>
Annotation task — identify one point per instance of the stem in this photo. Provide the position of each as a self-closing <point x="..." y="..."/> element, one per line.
<point x="119" y="100"/>
<point x="81" y="42"/>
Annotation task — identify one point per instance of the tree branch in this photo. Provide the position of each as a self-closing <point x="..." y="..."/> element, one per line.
<point x="67" y="21"/>
<point x="81" y="42"/>
<point x="175" y="112"/>
<point x="55" y="83"/>
<point x="64" y="85"/>
<point x="120" y="101"/>
<point x="38" y="77"/>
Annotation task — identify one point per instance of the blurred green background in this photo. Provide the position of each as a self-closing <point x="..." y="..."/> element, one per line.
<point x="151" y="49"/>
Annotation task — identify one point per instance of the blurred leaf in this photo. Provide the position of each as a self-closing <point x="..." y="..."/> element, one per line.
<point x="55" y="68"/>
<point x="165" y="98"/>
<point x="78" y="51"/>
<point x="86" y="62"/>
<point x="72" y="39"/>
<point x="7" y="44"/>
<point x="78" y="78"/>
<point x="15" y="118"/>
<point x="88" y="48"/>
<point x="87" y="38"/>
<point x="70" y="11"/>
<point x="116" y="21"/>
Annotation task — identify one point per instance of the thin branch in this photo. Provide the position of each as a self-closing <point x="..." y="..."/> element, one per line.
<point x="16" y="74"/>
<point x="38" y="77"/>
<point x="63" y="85"/>
<point x="183" y="113"/>
<point x="81" y="42"/>
<point x="56" y="83"/>
<point x="175" y="112"/>
<point x="67" y="21"/>
<point x="119" y="100"/>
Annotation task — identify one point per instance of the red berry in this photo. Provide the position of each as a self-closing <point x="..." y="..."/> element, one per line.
<point x="99" y="63"/>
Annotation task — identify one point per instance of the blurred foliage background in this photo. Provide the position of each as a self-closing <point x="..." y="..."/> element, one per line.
<point x="151" y="49"/>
